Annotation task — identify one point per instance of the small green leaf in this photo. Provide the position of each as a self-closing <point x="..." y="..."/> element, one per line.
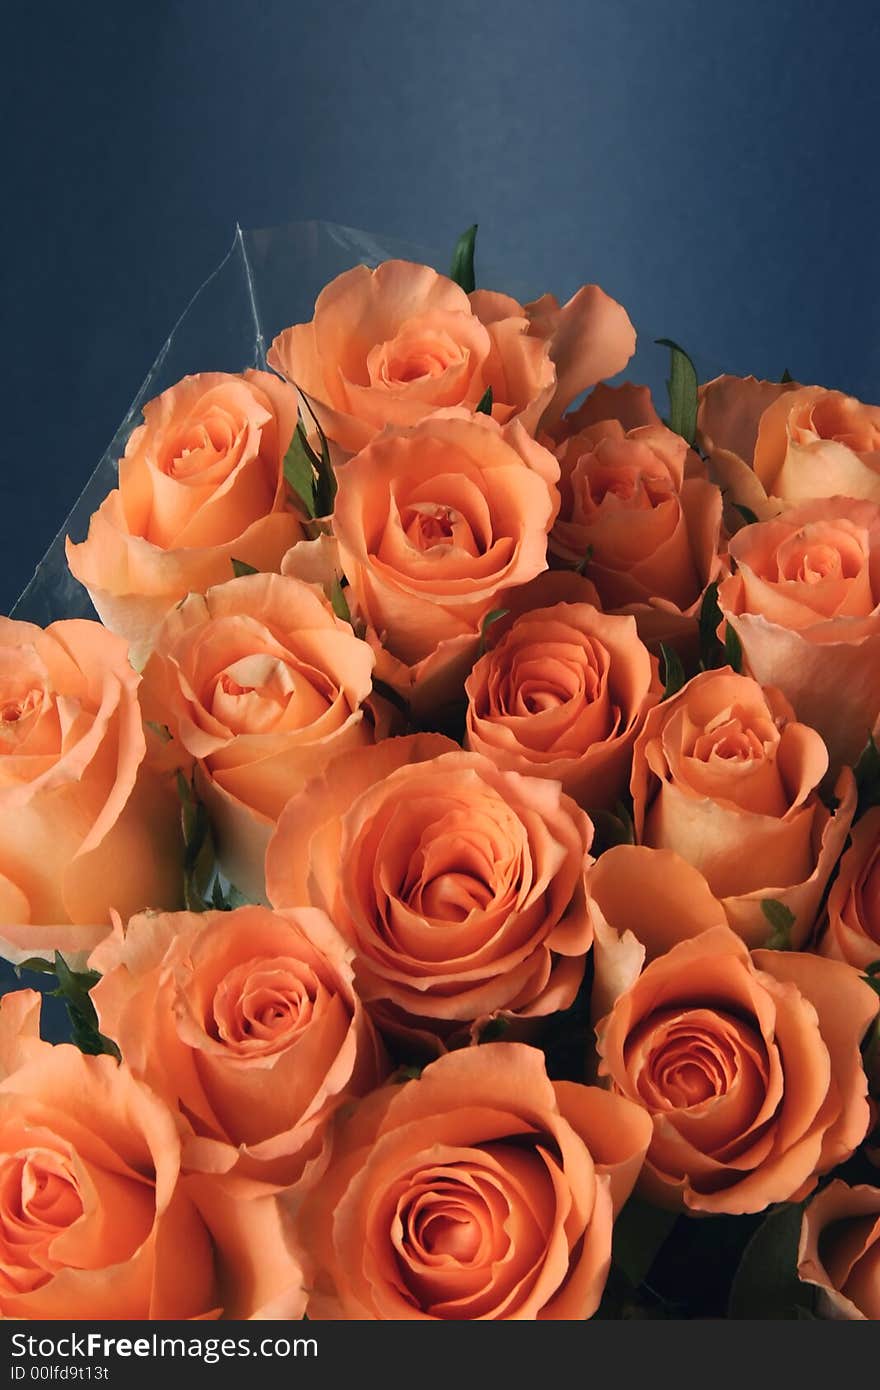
<point x="682" y="386"/>
<point x="240" y="568"/>
<point x="339" y="602"/>
<point x="462" y="270"/>
<point x="495" y="1029"/>
<point x="786" y="378"/>
<point x="300" y="470"/>
<point x="583" y="566"/>
<point x="73" y="988"/>
<point x="711" y="649"/>
<point x="747" y="514"/>
<point x="733" y="649"/>
<point x="867" y="775"/>
<point x="326" y="485"/>
<point x="36" y="964"/>
<point x="781" y="921"/>
<point x="198" y="847"/>
<point x="766" y="1284"/>
<point x="671" y="671"/>
<point x="161" y="731"/>
<point x="639" y="1233"/>
<point x="489" y="619"/>
<point x="486" y="402"/>
<point x="404" y="1074"/>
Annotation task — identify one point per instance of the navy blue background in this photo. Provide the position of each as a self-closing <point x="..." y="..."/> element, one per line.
<point x="711" y="165"/>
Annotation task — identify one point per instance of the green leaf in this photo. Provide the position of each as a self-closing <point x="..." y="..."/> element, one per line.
<point x="73" y="988"/>
<point x="786" y="378"/>
<point x="781" y="921"/>
<point x="639" y="1233"/>
<point x="299" y="470"/>
<point x="241" y="568"/>
<point x="711" y="648"/>
<point x="583" y="565"/>
<point x="486" y="402"/>
<point x="682" y="386"/>
<point x="766" y="1284"/>
<point x="339" y="602"/>
<point x="496" y="1028"/>
<point x="733" y="649"/>
<point x="161" y="731"/>
<point x="867" y="775"/>
<point x="225" y="897"/>
<point x="747" y="514"/>
<point x="404" y="1074"/>
<point x="36" y="964"/>
<point x="326" y="485"/>
<point x="489" y="619"/>
<point x="462" y="270"/>
<point x="671" y="671"/>
<point x="198" y="847"/>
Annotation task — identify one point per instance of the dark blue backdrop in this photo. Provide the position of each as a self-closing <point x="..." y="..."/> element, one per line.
<point x="711" y="165"/>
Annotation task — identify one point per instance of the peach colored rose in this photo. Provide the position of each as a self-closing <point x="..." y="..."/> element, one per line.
<point x="84" y="826"/>
<point x="259" y="683"/>
<point x="774" y="445"/>
<point x="725" y="776"/>
<point x="482" y="1190"/>
<point x="201" y="483"/>
<point x="645" y="535"/>
<point x="840" y="1251"/>
<point x="246" y="1022"/>
<point x="805" y="604"/>
<point x="434" y="524"/>
<point x="631" y="406"/>
<point x="749" y="1067"/>
<point x="562" y="693"/>
<point x="95" y="1220"/>
<point x="852" y="929"/>
<point x="390" y="346"/>
<point x="459" y="888"/>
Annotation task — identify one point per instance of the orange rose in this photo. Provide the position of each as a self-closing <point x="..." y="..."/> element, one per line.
<point x="247" y="1023"/>
<point x="805" y="604"/>
<point x="725" y="777"/>
<point x="201" y="483"/>
<point x="434" y="524"/>
<point x="749" y="1067"/>
<point x="459" y="888"/>
<point x="392" y="345"/>
<point x="631" y="406"/>
<point x="647" y="536"/>
<point x="95" y="1219"/>
<point x="840" y="1251"/>
<point x="480" y="1191"/>
<point x="852" y="931"/>
<point x="562" y="693"/>
<point x="84" y="827"/>
<point x="260" y="683"/>
<point x="774" y="445"/>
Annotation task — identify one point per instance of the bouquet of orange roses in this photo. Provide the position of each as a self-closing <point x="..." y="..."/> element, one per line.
<point x="456" y="841"/>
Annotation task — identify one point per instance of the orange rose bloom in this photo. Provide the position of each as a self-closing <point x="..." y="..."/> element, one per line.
<point x="647" y="536"/>
<point x="434" y="524"/>
<point x="749" y="1067"/>
<point x="725" y="777"/>
<point x="84" y="826"/>
<point x="201" y="483"/>
<point x="392" y="345"/>
<point x="840" y="1251"/>
<point x="480" y="1191"/>
<point x="460" y="888"/>
<point x="260" y="683"/>
<point x="247" y="1023"/>
<point x="562" y="693"/>
<point x="805" y="604"/>
<point x="95" y="1219"/>
<point x="852" y="930"/>
<point x="773" y="445"/>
